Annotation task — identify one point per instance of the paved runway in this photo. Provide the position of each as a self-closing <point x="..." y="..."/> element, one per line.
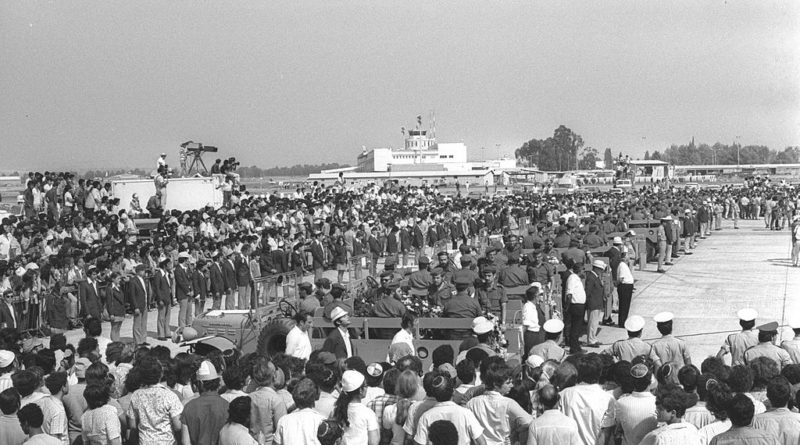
<point x="729" y="270"/>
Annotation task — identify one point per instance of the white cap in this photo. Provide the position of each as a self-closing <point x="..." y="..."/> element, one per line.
<point x="599" y="264"/>
<point x="553" y="326"/>
<point x="337" y="313"/>
<point x="481" y="325"/>
<point x="617" y="240"/>
<point x="20" y="271"/>
<point x="634" y="324"/>
<point x="352" y="380"/>
<point x="31" y="266"/>
<point x="184" y="255"/>
<point x="663" y="317"/>
<point x="534" y="361"/>
<point x="747" y="314"/>
<point x="794" y="322"/>
<point x="632" y="232"/>
<point x="6" y="358"/>
<point x="207" y="372"/>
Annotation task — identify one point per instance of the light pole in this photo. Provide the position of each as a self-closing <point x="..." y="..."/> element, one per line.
<point x="738" y="149"/>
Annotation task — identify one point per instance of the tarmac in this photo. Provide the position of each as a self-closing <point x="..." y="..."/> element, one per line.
<point x="727" y="271"/>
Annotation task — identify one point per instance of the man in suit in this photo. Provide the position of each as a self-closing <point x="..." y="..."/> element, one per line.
<point x="115" y="303"/>
<point x="8" y="316"/>
<point x="338" y="341"/>
<point x="595" y="293"/>
<point x="138" y="297"/>
<point x="318" y="255"/>
<point x="200" y="286"/>
<point x="91" y="305"/>
<point x="217" y="281"/>
<point x="243" y="276"/>
<point x="162" y="290"/>
<point x="614" y="257"/>
<point x="374" y="247"/>
<point x="229" y="275"/>
<point x="183" y="290"/>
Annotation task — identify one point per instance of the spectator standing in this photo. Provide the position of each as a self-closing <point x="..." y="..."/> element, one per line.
<point x="267" y="405"/>
<point x="592" y="408"/>
<point x="30" y="419"/>
<point x="154" y="410"/>
<point x="671" y="403"/>
<point x="236" y="431"/>
<point x="636" y="413"/>
<point x="301" y="425"/>
<point x="552" y="426"/>
<point x="503" y="419"/>
<point x="204" y="416"/>
<point x="100" y="423"/>
<point x="10" y="430"/>
<point x="360" y="424"/>
<point x="740" y="411"/>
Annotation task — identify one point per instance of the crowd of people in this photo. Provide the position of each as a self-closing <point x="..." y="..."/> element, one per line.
<point x="75" y="258"/>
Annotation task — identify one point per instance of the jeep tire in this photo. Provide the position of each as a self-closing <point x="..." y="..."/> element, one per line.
<point x="272" y="339"/>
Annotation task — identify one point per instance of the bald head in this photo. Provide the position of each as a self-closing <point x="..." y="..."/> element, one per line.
<point x="548" y="396"/>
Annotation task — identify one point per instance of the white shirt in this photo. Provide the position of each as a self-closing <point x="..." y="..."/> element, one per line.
<point x="530" y="317"/>
<point x="298" y="344"/>
<point x="624" y="274"/>
<point x="362" y="421"/>
<point x="673" y="434"/>
<point x="576" y="289"/>
<point x="590" y="407"/>
<point x="298" y="427"/>
<point x="406" y="337"/>
<point x="636" y="413"/>
<point x="465" y="422"/>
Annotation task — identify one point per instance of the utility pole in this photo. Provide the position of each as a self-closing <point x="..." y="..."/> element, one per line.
<point x="738" y="149"/>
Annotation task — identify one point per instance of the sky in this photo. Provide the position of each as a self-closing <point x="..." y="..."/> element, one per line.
<point x="112" y="84"/>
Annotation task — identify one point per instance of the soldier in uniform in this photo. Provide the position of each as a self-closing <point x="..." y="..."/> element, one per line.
<point x="737" y="343"/>
<point x="633" y="346"/>
<point x="461" y="305"/>
<point x="766" y="348"/>
<point x="793" y="346"/>
<point x="440" y="290"/>
<point x="663" y="241"/>
<point x="492" y="297"/>
<point x="549" y="349"/>
<point x="668" y="348"/>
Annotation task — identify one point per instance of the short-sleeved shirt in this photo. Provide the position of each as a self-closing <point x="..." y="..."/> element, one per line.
<point x="630" y="348"/>
<point x="739" y="342"/>
<point x="362" y="421"/>
<point x="676" y="433"/>
<point x="10" y="431"/>
<point x="780" y="422"/>
<point x="235" y="434"/>
<point x="100" y="425"/>
<point x="747" y="435"/>
<point x="553" y="427"/>
<point x="501" y="417"/>
<point x="793" y="348"/>
<point x="780" y="356"/>
<point x="153" y="408"/>
<point x="575" y="288"/>
<point x="298" y="343"/>
<point x="205" y="416"/>
<point x="549" y="350"/>
<point x="267" y="407"/>
<point x="55" y="418"/>
<point x="462" y="306"/>
<point x="590" y="407"/>
<point x="671" y="349"/>
<point x="492" y="298"/>
<point x="298" y="427"/>
<point x="42" y="439"/>
<point x="466" y="423"/>
<point x="636" y="414"/>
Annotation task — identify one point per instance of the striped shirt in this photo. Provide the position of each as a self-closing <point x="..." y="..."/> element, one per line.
<point x="636" y="415"/>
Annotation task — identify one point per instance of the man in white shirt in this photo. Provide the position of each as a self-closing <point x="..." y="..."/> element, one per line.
<point x="624" y="285"/>
<point x="467" y="425"/>
<point x="576" y="300"/>
<point x="588" y="404"/>
<point x="298" y="343"/>
<point x="300" y="426"/>
<point x="635" y="413"/>
<point x="552" y="426"/>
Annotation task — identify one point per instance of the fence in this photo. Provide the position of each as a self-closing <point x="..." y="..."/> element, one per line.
<point x="271" y="289"/>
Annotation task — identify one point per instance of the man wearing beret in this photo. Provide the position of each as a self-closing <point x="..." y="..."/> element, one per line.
<point x="462" y="305"/>
<point x="492" y="298"/>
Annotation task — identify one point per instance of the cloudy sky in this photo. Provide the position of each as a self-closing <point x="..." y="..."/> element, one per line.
<point x="114" y="83"/>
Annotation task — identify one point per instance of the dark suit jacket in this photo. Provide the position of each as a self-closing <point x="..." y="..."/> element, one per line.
<point x="229" y="275"/>
<point x="183" y="284"/>
<point x="594" y="292"/>
<point x="217" y="280"/>
<point x="138" y="295"/>
<point x="162" y="290"/>
<point x="334" y="344"/>
<point x="90" y="300"/>
<point x="243" y="276"/>
<point x="318" y="255"/>
<point x="5" y="316"/>
<point x="199" y="284"/>
<point x="614" y="257"/>
<point x="280" y="260"/>
<point x="115" y="301"/>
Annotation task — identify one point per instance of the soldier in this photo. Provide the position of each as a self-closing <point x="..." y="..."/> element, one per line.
<point x="668" y="348"/>
<point x="549" y="350"/>
<point x="492" y="297"/>
<point x="440" y="291"/>
<point x="765" y="347"/>
<point x="664" y="240"/>
<point x="633" y="346"/>
<point x="736" y="344"/>
<point x="793" y="346"/>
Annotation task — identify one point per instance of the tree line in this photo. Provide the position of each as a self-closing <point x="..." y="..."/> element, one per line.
<point x="565" y="150"/>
